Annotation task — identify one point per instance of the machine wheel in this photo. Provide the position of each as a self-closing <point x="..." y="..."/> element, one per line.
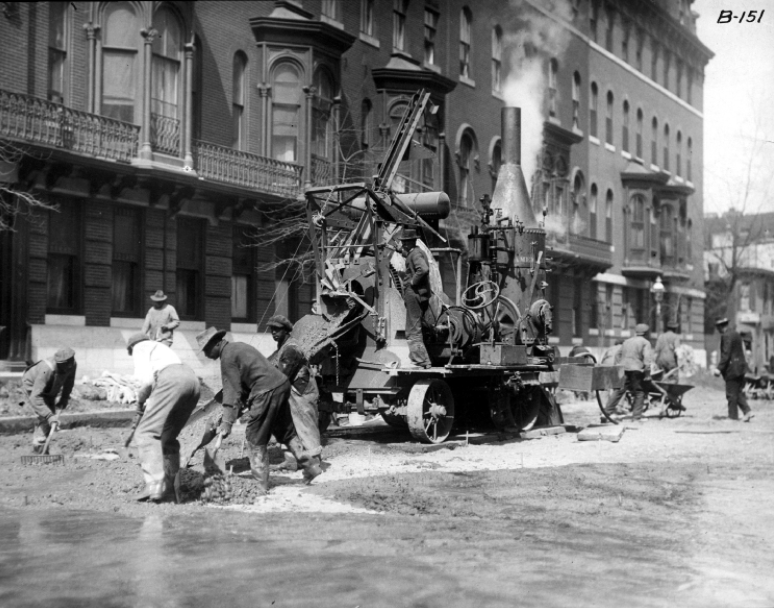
<point x="430" y="410"/>
<point x="526" y="409"/>
<point x="507" y="319"/>
<point x="395" y="420"/>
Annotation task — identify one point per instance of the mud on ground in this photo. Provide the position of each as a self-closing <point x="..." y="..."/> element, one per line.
<point x="679" y="512"/>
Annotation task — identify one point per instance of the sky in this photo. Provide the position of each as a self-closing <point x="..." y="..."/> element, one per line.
<point x="738" y="108"/>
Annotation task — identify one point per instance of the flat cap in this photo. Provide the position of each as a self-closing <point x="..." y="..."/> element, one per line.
<point x="64" y="354"/>
<point x="281" y="322"/>
<point x="408" y="234"/>
<point x="641" y="329"/>
<point x="721" y="322"/>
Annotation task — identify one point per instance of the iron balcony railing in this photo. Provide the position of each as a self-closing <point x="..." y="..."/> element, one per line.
<point x="165" y="134"/>
<point x="38" y="121"/>
<point x="247" y="170"/>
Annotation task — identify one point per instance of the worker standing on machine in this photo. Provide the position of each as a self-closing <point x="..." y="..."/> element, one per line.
<point x="416" y="296"/>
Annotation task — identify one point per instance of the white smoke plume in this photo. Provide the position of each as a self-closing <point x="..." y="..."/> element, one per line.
<point x="532" y="39"/>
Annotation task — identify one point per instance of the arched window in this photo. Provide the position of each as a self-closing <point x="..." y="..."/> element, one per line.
<point x="166" y="82"/>
<point x="238" y="122"/>
<point x="286" y="103"/>
<point x="609" y="119"/>
<point x="468" y="150"/>
<point x="689" y="159"/>
<point x="553" y="74"/>
<point x="637" y="229"/>
<point x="497" y="59"/>
<point x="58" y="38"/>
<point x="666" y="147"/>
<point x="625" y="127"/>
<point x="609" y="216"/>
<point x="578" y="201"/>
<point x="678" y="154"/>
<point x="366" y="122"/>
<point x="594" y="101"/>
<point x="466" y="20"/>
<point x="639" y="133"/>
<point x="576" y="88"/>
<point x="593" y="204"/>
<point x="667" y="248"/>
<point x="399" y="8"/>
<point x="654" y="141"/>
<point x="321" y="114"/>
<point x="120" y="64"/>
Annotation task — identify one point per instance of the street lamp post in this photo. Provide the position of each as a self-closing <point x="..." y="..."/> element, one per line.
<point x="657" y="289"/>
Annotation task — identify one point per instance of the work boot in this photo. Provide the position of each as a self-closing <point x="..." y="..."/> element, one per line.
<point x="312" y="469"/>
<point x="259" y="465"/>
<point x="310" y="464"/>
<point x="171" y="479"/>
<point x="288" y="464"/>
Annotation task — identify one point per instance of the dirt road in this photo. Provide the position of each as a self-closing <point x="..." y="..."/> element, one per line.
<point x="678" y="513"/>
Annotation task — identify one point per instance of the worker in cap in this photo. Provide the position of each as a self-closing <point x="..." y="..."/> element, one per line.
<point x="167" y="393"/>
<point x="161" y="320"/>
<point x="416" y="295"/>
<point x="303" y="399"/>
<point x="42" y="383"/>
<point x="636" y="356"/>
<point x="665" y="352"/>
<point x="249" y="380"/>
<point x="733" y="367"/>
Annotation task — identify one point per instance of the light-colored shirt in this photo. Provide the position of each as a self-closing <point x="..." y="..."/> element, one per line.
<point x="666" y="350"/>
<point x="149" y="359"/>
<point x="636" y="354"/>
<point x="160" y="323"/>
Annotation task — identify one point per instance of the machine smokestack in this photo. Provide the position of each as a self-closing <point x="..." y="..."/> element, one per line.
<point x="511" y="194"/>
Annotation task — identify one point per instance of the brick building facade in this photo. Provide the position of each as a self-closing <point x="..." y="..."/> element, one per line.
<point x="163" y="130"/>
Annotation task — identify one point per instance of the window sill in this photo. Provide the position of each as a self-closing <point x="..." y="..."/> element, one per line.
<point x="73" y="320"/>
<point x="610" y="332"/>
<point x="369" y="40"/>
<point x="553" y="339"/>
<point x="689" y="183"/>
<point x="609" y="147"/>
<point x="626" y="333"/>
<point x="679" y="179"/>
<point x="593" y="331"/>
<point x="594" y="140"/>
<point x="654" y="167"/>
<point x="468" y="81"/>
<point x="498" y="95"/>
<point x="432" y="67"/>
<point x="554" y="120"/>
<point x="330" y="21"/>
<point x="577" y="341"/>
<point x="626" y="155"/>
<point x="577" y="131"/>
<point x="689" y="336"/>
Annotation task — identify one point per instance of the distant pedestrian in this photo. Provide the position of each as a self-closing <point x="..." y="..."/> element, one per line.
<point x="733" y="366"/>
<point x="168" y="393"/>
<point x="635" y="356"/>
<point x="161" y="320"/>
<point x="665" y="352"/>
<point x="42" y="382"/>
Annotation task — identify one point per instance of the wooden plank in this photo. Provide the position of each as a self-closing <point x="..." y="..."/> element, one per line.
<point x="543" y="432"/>
<point x="607" y="432"/>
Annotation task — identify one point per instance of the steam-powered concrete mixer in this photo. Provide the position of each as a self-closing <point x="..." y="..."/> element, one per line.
<point x="489" y="348"/>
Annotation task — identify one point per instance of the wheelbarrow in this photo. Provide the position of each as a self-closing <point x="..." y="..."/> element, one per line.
<point x="667" y="397"/>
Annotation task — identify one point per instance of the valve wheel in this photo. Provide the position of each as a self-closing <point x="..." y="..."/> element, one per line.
<point x="480" y="295"/>
<point x="430" y="410"/>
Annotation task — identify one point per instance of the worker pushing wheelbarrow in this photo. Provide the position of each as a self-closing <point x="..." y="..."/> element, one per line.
<point x="665" y="394"/>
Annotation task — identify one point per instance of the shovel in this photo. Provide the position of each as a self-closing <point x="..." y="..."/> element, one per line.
<point x="214" y="463"/>
<point x="44" y="457"/>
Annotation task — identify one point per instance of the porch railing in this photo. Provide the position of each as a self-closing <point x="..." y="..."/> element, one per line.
<point x="38" y="121"/>
<point x="239" y="168"/>
<point x="322" y="171"/>
<point x="165" y="134"/>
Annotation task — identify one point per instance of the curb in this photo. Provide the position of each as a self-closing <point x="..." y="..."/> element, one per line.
<point x="101" y="418"/>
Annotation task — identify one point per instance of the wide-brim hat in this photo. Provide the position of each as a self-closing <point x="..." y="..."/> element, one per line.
<point x="641" y="329"/>
<point x="408" y="234"/>
<point x="64" y="354"/>
<point x="159" y="296"/>
<point x="208" y="336"/>
<point x="672" y="325"/>
<point x="723" y="321"/>
<point x="281" y="322"/>
<point x="135" y="339"/>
